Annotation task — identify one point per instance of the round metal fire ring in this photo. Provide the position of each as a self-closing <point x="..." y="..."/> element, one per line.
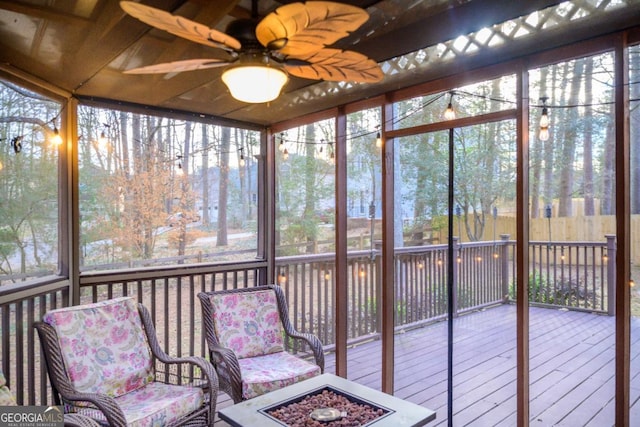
<point x="327" y="414"/>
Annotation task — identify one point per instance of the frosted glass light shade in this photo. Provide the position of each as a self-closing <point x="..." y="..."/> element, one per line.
<point x="254" y="83"/>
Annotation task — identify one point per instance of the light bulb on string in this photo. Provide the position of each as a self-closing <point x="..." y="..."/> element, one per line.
<point x="241" y="161"/>
<point x="449" y="113"/>
<point x="179" y="170"/>
<point x="378" y="138"/>
<point x="285" y="154"/>
<point x="56" y="139"/>
<point x="543" y="135"/>
<point x="102" y="140"/>
<point x="281" y="146"/>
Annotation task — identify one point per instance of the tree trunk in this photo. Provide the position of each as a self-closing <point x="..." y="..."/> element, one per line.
<point x="185" y="205"/>
<point x="206" y="220"/>
<point x="225" y="144"/>
<point x="569" y="135"/>
<point x="548" y="147"/>
<point x="589" y="202"/>
<point x="536" y="154"/>
<point x="309" y="186"/>
<point x="241" y="136"/>
<point x="608" y="175"/>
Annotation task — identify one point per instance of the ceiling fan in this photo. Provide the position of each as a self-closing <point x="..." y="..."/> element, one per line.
<point x="290" y="40"/>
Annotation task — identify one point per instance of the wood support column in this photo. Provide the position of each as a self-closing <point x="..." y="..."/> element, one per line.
<point x="623" y="230"/>
<point x="388" y="243"/>
<point x="522" y="248"/>
<point x="342" y="267"/>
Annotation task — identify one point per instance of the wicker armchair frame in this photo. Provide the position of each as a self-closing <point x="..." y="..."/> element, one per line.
<point x="224" y="359"/>
<point x="64" y="392"/>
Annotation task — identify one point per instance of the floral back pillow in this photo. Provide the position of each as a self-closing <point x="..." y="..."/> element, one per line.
<point x="248" y="322"/>
<point x="104" y="346"/>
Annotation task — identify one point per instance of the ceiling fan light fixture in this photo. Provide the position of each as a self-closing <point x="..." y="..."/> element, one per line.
<point x="255" y="83"/>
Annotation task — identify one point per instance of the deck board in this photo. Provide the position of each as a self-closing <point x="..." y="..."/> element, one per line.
<point x="571" y="360"/>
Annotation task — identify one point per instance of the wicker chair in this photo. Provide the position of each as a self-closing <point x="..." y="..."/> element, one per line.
<point x="246" y="330"/>
<point x="104" y="362"/>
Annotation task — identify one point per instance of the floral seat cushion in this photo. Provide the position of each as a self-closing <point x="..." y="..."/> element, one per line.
<point x="248" y="323"/>
<point x="156" y="404"/>
<point x="104" y="347"/>
<point x="6" y="397"/>
<point x="273" y="371"/>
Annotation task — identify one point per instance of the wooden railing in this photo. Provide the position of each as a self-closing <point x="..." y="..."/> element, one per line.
<point x="576" y="275"/>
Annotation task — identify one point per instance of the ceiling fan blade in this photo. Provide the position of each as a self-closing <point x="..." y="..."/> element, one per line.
<point x="179" y="26"/>
<point x="179" y="66"/>
<point x="304" y="28"/>
<point x="337" y="65"/>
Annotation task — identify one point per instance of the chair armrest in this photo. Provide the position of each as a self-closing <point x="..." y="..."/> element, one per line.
<point x="226" y="359"/>
<point x="77" y="420"/>
<point x="205" y="367"/>
<point x="105" y="404"/>
<point x="314" y="343"/>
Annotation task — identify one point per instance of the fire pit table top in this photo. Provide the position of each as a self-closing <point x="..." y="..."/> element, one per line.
<point x="397" y="412"/>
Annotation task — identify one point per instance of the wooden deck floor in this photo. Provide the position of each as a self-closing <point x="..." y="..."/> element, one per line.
<point x="571" y="357"/>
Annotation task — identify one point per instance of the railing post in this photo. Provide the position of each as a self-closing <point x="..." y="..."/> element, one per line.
<point x="611" y="274"/>
<point x="378" y="284"/>
<point x="504" y="267"/>
<point x="456" y="273"/>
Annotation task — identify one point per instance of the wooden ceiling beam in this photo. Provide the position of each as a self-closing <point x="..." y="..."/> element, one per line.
<point x="44" y="13"/>
<point x="447" y="25"/>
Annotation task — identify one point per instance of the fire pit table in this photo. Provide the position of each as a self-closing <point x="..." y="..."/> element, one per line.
<point x="326" y="399"/>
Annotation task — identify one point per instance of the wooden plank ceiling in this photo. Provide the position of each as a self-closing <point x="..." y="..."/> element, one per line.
<point x="83" y="47"/>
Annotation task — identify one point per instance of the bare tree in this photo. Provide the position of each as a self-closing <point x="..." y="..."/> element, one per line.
<point x="223" y="194"/>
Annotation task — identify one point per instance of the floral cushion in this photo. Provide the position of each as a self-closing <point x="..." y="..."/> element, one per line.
<point x="273" y="371"/>
<point x="6" y="397"/>
<point x="103" y="345"/>
<point x="248" y="322"/>
<point x="157" y="404"/>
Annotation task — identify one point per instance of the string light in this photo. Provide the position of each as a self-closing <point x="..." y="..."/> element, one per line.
<point x="179" y="170"/>
<point x="544" y="120"/>
<point x="241" y="162"/>
<point x="282" y="278"/>
<point x="449" y="113"/>
<point x="103" y="140"/>
<point x="378" y="138"/>
<point x="281" y="146"/>
<point x="285" y="154"/>
<point x="56" y="139"/>
<point x="16" y="144"/>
